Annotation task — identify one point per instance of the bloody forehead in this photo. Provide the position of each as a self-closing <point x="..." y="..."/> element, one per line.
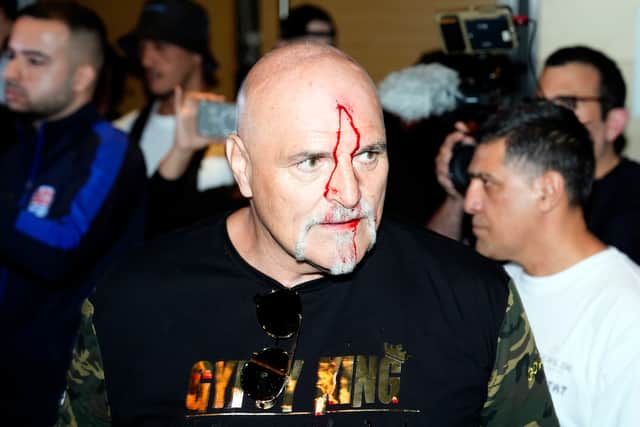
<point x="343" y="114"/>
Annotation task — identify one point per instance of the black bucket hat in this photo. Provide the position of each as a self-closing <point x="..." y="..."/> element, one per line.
<point x="180" y="22"/>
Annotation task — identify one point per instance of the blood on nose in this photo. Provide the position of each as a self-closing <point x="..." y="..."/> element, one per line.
<point x="343" y="116"/>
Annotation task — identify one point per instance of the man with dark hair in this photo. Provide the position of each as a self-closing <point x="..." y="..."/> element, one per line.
<point x="530" y="175"/>
<point x="589" y="83"/>
<point x="308" y="22"/>
<point x="71" y="195"/>
<point x="7" y="16"/>
<point x="375" y="323"/>
<point x="189" y="178"/>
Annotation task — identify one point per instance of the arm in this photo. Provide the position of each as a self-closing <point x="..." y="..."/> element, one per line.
<point x="187" y="141"/>
<point x="517" y="392"/>
<point x="447" y="220"/>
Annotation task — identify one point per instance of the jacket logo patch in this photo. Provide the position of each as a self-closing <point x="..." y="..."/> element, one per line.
<point x="41" y="201"/>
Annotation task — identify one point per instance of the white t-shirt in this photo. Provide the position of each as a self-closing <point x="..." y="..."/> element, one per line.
<point x="586" y="322"/>
<point x="158" y="137"/>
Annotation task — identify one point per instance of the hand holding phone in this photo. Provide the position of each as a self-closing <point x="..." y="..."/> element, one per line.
<point x="216" y="119"/>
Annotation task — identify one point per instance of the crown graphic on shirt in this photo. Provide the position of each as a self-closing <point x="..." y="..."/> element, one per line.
<point x="395" y="352"/>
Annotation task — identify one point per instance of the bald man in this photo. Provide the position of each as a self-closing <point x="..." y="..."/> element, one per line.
<point x="304" y="308"/>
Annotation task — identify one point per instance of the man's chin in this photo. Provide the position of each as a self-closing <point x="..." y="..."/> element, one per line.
<point x="338" y="264"/>
<point x="161" y="93"/>
<point x="338" y="268"/>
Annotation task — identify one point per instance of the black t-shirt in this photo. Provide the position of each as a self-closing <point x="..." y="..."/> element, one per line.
<point x="613" y="211"/>
<point x="408" y="339"/>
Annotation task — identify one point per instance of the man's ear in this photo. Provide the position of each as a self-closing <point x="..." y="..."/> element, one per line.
<point x="550" y="189"/>
<point x="238" y="158"/>
<point x="615" y="122"/>
<point x="84" y="77"/>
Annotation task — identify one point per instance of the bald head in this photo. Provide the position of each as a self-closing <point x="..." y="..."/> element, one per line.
<point x="295" y="73"/>
<point x="310" y="154"/>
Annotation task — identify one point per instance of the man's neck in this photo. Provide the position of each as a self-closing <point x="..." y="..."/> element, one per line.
<point x="260" y="250"/>
<point x="559" y="246"/>
<point x="66" y="112"/>
<point x="606" y="164"/>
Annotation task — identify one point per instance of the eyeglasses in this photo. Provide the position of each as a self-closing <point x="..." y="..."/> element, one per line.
<point x="571" y="102"/>
<point x="265" y="375"/>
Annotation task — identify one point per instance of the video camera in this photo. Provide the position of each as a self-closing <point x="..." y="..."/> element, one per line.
<point x="477" y="42"/>
<point x="484" y="30"/>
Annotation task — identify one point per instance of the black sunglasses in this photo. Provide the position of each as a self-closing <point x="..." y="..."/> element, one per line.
<point x="265" y="375"/>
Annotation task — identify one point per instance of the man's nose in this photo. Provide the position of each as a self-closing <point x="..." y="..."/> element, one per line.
<point x="344" y="185"/>
<point x="473" y="197"/>
<point x="147" y="54"/>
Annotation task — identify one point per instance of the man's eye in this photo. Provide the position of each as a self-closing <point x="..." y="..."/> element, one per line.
<point x="310" y="164"/>
<point x="487" y="182"/>
<point x="368" y="158"/>
<point x="36" y="60"/>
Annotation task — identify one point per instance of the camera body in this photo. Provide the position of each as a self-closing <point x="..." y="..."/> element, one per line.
<point x="461" y="155"/>
<point x="216" y="119"/>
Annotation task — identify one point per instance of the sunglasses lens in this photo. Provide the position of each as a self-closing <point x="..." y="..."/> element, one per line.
<point x="279" y="313"/>
<point x="264" y="376"/>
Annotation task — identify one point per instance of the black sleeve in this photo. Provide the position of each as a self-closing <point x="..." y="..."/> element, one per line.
<point x="623" y="232"/>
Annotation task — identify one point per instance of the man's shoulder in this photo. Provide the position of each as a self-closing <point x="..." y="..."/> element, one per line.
<point x="626" y="172"/>
<point x="622" y="275"/>
<point x="108" y="132"/>
<point x="125" y="123"/>
<point x="429" y="258"/>
<point x="408" y="241"/>
<point x="201" y="243"/>
<point x="630" y="164"/>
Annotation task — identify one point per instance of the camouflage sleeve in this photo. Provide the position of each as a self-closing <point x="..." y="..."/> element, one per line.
<point x="85" y="401"/>
<point x="517" y="392"/>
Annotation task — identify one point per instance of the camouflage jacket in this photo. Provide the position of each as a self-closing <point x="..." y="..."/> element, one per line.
<point x="518" y="394"/>
<point x="85" y="401"/>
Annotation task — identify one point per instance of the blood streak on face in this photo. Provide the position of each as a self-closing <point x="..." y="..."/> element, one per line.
<point x="341" y="108"/>
<point x="353" y="224"/>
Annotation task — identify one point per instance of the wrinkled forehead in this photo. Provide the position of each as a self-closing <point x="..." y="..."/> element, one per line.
<point x="319" y="97"/>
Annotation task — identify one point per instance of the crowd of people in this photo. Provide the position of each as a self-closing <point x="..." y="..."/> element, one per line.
<point x="151" y="275"/>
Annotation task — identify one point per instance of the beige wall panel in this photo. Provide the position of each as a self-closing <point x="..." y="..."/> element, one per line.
<point x="382" y="35"/>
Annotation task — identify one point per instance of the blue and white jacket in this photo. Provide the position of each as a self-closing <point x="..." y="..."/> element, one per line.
<point x="72" y="194"/>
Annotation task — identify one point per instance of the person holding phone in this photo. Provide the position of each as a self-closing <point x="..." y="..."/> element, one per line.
<point x="189" y="178"/>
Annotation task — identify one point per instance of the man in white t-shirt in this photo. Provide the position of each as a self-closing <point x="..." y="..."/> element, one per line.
<point x="530" y="176"/>
<point x="189" y="175"/>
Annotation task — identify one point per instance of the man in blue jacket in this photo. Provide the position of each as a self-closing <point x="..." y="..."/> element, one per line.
<point x="71" y="195"/>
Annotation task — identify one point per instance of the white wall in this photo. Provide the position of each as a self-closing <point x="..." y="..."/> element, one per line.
<point x="607" y="25"/>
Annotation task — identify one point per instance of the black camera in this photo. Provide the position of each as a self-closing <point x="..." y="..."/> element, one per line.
<point x="461" y="155"/>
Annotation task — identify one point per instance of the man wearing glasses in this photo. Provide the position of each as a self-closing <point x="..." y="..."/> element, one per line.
<point x="589" y="83"/>
<point x="306" y="308"/>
